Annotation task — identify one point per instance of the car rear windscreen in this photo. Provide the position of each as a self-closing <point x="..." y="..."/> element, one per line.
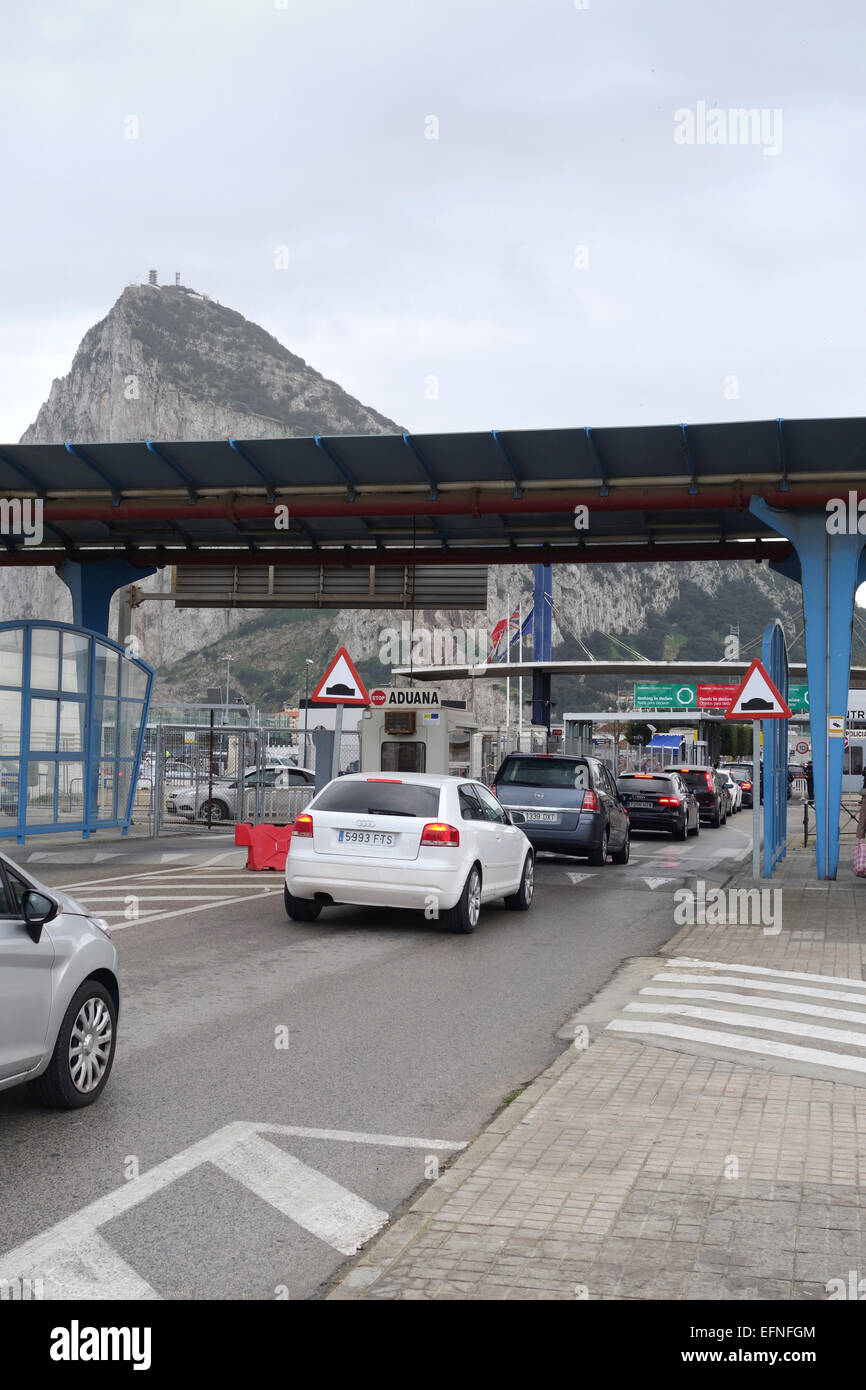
<point x="696" y="779"/>
<point x="660" y="785"/>
<point x="544" y="772"/>
<point x="380" y="799"/>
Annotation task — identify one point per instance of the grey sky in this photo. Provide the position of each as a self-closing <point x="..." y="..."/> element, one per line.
<point x="412" y="258"/>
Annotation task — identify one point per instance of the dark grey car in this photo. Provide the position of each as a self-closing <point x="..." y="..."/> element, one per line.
<point x="571" y="805"/>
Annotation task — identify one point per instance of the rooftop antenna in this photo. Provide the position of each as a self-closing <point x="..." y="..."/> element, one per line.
<point x="151" y="277"/>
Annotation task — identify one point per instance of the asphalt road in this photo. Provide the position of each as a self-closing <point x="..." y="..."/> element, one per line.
<point x="398" y="1038"/>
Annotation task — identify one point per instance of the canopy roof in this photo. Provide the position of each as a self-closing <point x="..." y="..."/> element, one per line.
<point x="652" y="493"/>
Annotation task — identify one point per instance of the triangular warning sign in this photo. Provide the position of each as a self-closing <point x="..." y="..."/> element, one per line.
<point x="341" y="684"/>
<point x="756" y="697"/>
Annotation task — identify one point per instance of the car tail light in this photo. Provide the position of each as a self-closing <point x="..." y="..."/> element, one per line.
<point x="590" y="801"/>
<point x="668" y="801"/>
<point x="747" y="786"/>
<point x="709" y="777"/>
<point x="436" y="832"/>
<point x="303" y="826"/>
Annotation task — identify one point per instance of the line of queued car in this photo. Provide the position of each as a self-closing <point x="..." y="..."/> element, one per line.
<point x="442" y="845"/>
<point x="445" y="844"/>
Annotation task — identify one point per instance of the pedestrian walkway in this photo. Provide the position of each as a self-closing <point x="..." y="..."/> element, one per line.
<point x="703" y="1137"/>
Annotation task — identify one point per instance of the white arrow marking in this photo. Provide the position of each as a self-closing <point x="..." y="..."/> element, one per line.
<point x="654" y="882"/>
<point x="74" y="1261"/>
<point x="578" y="878"/>
<point x="324" y="1208"/>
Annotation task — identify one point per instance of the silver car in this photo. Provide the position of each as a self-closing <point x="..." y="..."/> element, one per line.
<point x="235" y="799"/>
<point x="59" y="993"/>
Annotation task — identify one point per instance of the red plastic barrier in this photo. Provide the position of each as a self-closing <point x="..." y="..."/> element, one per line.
<point x="267" y="845"/>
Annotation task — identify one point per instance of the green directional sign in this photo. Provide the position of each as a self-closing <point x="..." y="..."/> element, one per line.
<point x="798" y="699"/>
<point x="658" y="695"/>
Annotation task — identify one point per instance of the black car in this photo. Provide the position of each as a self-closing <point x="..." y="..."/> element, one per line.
<point x="742" y="773"/>
<point x="710" y="792"/>
<point x="660" y="801"/>
<point x="571" y="805"/>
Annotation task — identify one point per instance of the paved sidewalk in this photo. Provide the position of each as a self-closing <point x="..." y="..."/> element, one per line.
<point x="678" y="1165"/>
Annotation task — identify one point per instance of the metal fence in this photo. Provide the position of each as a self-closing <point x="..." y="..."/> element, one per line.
<point x="211" y="777"/>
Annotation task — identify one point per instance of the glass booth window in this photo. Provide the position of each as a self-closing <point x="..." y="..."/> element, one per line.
<point x="44" y="658"/>
<point x="10" y="721"/>
<point x="11" y="657"/>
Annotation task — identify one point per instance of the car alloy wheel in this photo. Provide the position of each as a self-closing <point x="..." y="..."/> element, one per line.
<point x="473" y="898"/>
<point x="90" y="1045"/>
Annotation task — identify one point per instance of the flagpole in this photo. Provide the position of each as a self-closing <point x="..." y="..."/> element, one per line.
<point x="520" y="678"/>
<point x="508" y="663"/>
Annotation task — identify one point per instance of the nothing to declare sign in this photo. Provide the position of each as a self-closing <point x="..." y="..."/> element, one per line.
<point x="395" y="696"/>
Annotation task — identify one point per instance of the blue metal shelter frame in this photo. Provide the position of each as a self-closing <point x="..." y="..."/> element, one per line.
<point x="774" y="655"/>
<point x="73" y="710"/>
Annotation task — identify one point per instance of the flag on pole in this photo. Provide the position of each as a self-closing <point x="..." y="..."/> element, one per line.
<point x="508" y="631"/>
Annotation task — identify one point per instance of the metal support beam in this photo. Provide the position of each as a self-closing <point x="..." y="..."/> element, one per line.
<point x="92" y="587"/>
<point x="542" y="633"/>
<point x="830" y="566"/>
<point x="159" y="450"/>
<point x="340" y="467"/>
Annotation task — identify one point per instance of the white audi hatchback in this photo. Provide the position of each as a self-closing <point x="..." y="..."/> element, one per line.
<point x="59" y="993"/>
<point x="441" y="845"/>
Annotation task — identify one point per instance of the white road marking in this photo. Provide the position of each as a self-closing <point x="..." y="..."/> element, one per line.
<point x="185" y="911"/>
<point x="168" y="874"/>
<point x="578" y="878"/>
<point x="654" y="882"/>
<point x="75" y="1262"/>
<point x="839" y="996"/>
<point x="85" y="1267"/>
<point x="328" y="1211"/>
<point x="738" y="1043"/>
<point x="680" y="961"/>
<point x="844" y="1036"/>
<point x="714" y="996"/>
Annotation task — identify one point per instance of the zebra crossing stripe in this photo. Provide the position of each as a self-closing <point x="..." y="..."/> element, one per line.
<point x="843" y="1036"/>
<point x="679" y="961"/>
<point x="772" y="986"/>
<point x="713" y="996"/>
<point x="736" y="1042"/>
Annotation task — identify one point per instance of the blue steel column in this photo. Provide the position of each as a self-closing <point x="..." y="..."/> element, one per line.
<point x="774" y="655"/>
<point x="830" y="567"/>
<point x="92" y="586"/>
<point x="542" y="641"/>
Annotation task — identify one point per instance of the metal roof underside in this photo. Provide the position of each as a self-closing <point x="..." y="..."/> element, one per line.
<point x="653" y="492"/>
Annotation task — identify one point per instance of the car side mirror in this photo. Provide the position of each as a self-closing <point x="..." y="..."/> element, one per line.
<point x="37" y="911"/>
<point x="517" y="817"/>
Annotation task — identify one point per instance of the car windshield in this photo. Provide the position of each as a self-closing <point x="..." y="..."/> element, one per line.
<point x="373" y="797"/>
<point x="645" y="783"/>
<point x="544" y="772"/>
<point x="740" y="774"/>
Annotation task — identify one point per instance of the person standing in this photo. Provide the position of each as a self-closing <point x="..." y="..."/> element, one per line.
<point x="861" y="819"/>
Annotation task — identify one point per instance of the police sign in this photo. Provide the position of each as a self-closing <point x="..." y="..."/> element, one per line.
<point x="404" y="697"/>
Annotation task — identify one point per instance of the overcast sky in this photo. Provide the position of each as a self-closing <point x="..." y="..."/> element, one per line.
<point x="718" y="281"/>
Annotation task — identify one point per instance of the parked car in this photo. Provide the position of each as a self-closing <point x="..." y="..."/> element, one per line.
<point x="735" y="791"/>
<point x="571" y="805"/>
<point x="59" y="993"/>
<point x="408" y="841"/>
<point x="175" y="773"/>
<point x="231" y="799"/>
<point x="660" y="801"/>
<point x="710" y="792"/>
